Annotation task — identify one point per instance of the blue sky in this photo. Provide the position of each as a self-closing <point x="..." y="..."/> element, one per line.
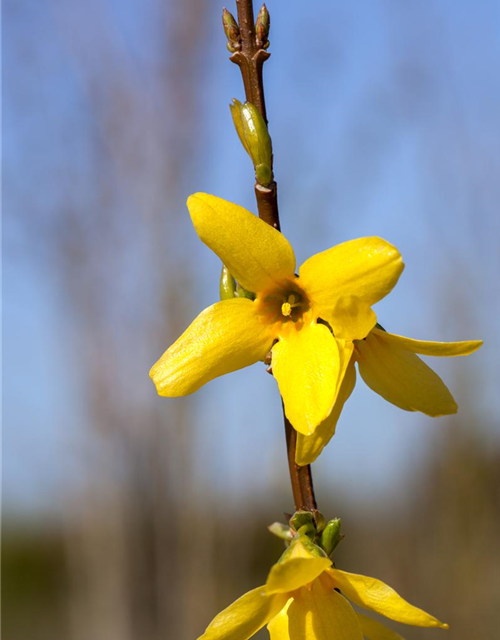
<point x="385" y="121"/>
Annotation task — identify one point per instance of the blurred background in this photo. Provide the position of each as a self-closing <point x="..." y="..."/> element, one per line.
<point x="129" y="516"/>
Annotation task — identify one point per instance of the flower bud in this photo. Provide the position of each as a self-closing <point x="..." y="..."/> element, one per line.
<point x="254" y="136"/>
<point x="319" y="520"/>
<point x="227" y="284"/>
<point x="304" y="524"/>
<point x="262" y="26"/>
<point x="331" y="536"/>
<point x="232" y="31"/>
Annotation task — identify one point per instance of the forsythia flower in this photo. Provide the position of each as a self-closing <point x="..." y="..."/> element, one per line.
<point x="305" y="598"/>
<point x="316" y="324"/>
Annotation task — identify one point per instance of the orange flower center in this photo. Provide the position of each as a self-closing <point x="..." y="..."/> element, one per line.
<point x="287" y="302"/>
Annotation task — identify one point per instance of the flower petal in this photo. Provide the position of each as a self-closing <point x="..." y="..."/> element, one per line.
<point x="399" y="376"/>
<point x="377" y="596"/>
<point x="225" y="337"/>
<point x="344" y="281"/>
<point x="322" y="614"/>
<point x="374" y="630"/>
<point x="426" y="348"/>
<point x="278" y="627"/>
<point x="242" y="619"/>
<point x="306" y="365"/>
<point x="350" y="318"/>
<point x="257" y="255"/>
<point x="294" y="573"/>
<point x="309" y="447"/>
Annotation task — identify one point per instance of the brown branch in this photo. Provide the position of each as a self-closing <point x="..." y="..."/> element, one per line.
<point x="250" y="58"/>
<point x="300" y="477"/>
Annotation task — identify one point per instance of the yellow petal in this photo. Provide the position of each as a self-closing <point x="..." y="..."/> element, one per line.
<point x="242" y="619"/>
<point x="294" y="573"/>
<point x="257" y="255"/>
<point x="374" y="630"/>
<point x="321" y="614"/>
<point x="278" y="627"/>
<point x="309" y="447"/>
<point x="306" y="365"/>
<point x="350" y="318"/>
<point x="343" y="283"/>
<point x="301" y="547"/>
<point x="426" y="348"/>
<point x="379" y="597"/>
<point x="400" y="377"/>
<point x="225" y="337"/>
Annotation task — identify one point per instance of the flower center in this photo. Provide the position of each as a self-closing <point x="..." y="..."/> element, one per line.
<point x="284" y="303"/>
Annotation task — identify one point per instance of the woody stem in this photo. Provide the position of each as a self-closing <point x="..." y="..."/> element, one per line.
<point x="250" y="59"/>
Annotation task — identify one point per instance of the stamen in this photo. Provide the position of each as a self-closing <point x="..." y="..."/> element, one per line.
<point x="293" y="302"/>
<point x="286" y="309"/>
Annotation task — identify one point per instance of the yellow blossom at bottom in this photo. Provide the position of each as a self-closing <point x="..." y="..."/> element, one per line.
<point x="306" y="598"/>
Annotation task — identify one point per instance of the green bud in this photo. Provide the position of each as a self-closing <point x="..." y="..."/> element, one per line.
<point x="331" y="536"/>
<point x="262" y="26"/>
<point x="243" y="293"/>
<point x="227" y="284"/>
<point x="254" y="136"/>
<point x="320" y="521"/>
<point x="302" y="519"/>
<point x="232" y="31"/>
<point x="281" y="531"/>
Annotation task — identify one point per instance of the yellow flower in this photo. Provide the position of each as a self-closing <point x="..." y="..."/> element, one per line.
<point x="389" y="365"/>
<point x="316" y="324"/>
<point x="305" y="598"/>
<point x="337" y="286"/>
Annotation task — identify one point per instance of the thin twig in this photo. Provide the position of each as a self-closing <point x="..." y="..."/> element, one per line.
<point x="300" y="477"/>
<point x="250" y="58"/>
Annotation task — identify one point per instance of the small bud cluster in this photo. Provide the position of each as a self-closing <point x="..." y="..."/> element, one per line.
<point x="232" y="30"/>
<point x="324" y="536"/>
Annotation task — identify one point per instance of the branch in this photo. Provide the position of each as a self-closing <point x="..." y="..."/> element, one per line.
<point x="250" y="57"/>
<point x="300" y="477"/>
<point x="249" y="53"/>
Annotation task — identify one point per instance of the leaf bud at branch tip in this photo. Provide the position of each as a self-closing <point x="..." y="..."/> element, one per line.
<point x="262" y="26"/>
<point x="254" y="136"/>
<point x="232" y="31"/>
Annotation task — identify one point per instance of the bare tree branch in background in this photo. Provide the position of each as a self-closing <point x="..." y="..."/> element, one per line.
<point x="126" y="549"/>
